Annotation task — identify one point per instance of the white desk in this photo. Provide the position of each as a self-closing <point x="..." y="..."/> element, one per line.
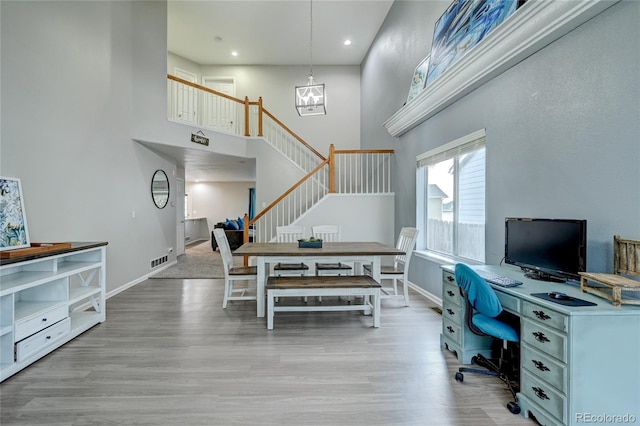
<point x="266" y="253"/>
<point x="575" y="361"/>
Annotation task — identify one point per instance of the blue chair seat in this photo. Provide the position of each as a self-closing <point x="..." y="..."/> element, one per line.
<point x="495" y="328"/>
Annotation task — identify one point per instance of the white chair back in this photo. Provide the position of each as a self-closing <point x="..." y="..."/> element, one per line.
<point x="327" y="233"/>
<point x="225" y="249"/>
<point x="407" y="243"/>
<point x="289" y="234"/>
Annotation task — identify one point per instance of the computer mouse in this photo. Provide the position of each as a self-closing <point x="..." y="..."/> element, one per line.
<point x="559" y="295"/>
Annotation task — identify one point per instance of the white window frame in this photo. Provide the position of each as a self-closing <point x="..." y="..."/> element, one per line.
<point x="451" y="149"/>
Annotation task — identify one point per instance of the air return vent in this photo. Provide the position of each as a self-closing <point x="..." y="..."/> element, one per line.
<point x="159" y="261"/>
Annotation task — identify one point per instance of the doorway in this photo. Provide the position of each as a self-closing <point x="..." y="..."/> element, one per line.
<point x="219" y="112"/>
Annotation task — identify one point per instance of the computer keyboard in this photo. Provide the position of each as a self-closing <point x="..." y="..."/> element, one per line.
<point x="498" y="279"/>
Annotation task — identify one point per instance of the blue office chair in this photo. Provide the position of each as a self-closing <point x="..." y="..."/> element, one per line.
<point x="485" y="317"/>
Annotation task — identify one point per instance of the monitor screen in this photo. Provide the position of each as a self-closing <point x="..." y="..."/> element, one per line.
<point x="547" y="249"/>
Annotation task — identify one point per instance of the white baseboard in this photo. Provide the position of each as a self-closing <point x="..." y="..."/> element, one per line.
<point x="138" y="280"/>
<point x="422" y="292"/>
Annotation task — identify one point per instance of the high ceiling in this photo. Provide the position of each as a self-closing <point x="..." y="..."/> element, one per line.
<point x="274" y="32"/>
<point x="265" y="32"/>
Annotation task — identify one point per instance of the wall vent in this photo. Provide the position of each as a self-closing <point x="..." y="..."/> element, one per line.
<point x="159" y="261"/>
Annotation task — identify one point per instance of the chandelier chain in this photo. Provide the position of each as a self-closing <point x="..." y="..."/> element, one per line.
<point x="311" y="37"/>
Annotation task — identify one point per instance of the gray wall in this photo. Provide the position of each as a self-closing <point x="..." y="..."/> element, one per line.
<point x="73" y="82"/>
<point x="563" y="129"/>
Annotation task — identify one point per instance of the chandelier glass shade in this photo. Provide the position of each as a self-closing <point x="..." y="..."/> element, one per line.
<point x="311" y="99"/>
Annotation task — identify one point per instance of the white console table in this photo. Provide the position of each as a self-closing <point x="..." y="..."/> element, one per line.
<point x="48" y="299"/>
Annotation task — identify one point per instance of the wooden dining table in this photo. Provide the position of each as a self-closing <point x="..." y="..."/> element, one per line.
<point x="357" y="252"/>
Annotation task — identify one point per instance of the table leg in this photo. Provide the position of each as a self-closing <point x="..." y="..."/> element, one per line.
<point x="261" y="283"/>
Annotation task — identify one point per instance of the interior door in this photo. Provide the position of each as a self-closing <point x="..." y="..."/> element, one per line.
<point x="185" y="98"/>
<point x="180" y="216"/>
<point x="219" y="112"/>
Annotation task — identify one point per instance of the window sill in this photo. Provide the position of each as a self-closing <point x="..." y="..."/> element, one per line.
<point x="442" y="259"/>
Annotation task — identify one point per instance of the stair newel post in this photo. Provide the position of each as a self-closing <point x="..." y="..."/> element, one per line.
<point x="245" y="235"/>
<point x="260" y="116"/>
<point x="246" y="116"/>
<point x="332" y="169"/>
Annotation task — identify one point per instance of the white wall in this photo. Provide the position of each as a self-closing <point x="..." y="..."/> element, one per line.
<point x="69" y="77"/>
<point x="218" y="201"/>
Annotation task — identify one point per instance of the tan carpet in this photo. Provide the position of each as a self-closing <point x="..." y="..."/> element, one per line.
<point x="199" y="261"/>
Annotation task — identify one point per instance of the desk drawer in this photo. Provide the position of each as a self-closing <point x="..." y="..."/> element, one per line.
<point x="544" y="395"/>
<point x="453" y="313"/>
<point x="452" y="331"/>
<point x="548" y="317"/>
<point x="544" y="339"/>
<point x="33" y="344"/>
<point x="509" y="302"/>
<point x="43" y="320"/>
<point x="544" y="367"/>
<point x="450" y="292"/>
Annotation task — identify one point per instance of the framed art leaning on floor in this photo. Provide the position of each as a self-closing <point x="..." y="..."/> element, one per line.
<point x="13" y="220"/>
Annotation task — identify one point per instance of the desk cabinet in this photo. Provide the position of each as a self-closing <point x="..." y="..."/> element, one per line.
<point x="576" y="363"/>
<point x="47" y="300"/>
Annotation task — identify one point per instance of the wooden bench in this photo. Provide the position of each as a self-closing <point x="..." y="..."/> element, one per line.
<point x="349" y="285"/>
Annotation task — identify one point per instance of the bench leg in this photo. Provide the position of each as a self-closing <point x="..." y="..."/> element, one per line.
<point x="270" y="305"/>
<point x="376" y="308"/>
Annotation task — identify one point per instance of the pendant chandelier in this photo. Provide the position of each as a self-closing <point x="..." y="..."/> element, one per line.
<point x="311" y="99"/>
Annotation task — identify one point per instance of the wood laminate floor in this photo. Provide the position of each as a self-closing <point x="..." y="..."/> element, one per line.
<point x="168" y="354"/>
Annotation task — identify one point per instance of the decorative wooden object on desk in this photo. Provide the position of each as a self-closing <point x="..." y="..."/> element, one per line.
<point x="36" y="248"/>
<point x="626" y="261"/>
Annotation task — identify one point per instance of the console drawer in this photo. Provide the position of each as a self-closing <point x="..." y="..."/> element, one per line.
<point x="548" y="317"/>
<point x="544" y="367"/>
<point x="33" y="344"/>
<point x="40" y="321"/>
<point x="508" y="302"/>
<point x="452" y="331"/>
<point x="544" y="395"/>
<point x="544" y="339"/>
<point x="453" y="313"/>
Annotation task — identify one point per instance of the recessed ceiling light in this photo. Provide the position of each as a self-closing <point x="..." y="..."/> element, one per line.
<point x="234" y="53"/>
<point x="347" y="42"/>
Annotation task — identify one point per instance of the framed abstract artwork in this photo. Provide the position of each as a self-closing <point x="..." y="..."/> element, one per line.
<point x="419" y="79"/>
<point x="13" y="221"/>
<point x="461" y="27"/>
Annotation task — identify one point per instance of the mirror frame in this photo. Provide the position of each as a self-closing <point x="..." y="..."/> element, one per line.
<point x="159" y="195"/>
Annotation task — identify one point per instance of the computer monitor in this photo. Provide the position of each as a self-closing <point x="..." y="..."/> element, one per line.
<point x="547" y="249"/>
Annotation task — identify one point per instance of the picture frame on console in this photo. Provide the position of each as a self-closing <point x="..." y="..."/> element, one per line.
<point x="13" y="220"/>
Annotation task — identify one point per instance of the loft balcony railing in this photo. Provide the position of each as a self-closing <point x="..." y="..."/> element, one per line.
<point x="342" y="172"/>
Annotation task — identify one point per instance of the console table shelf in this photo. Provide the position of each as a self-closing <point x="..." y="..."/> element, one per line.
<point x="47" y="299"/>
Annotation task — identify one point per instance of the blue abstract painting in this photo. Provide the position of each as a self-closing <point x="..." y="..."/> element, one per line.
<point x="462" y="26"/>
<point x="13" y="222"/>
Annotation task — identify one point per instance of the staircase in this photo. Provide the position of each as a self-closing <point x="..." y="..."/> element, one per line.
<point x="341" y="172"/>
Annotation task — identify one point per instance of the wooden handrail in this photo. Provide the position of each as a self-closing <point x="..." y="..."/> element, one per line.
<point x="205" y="89"/>
<point x="292" y="133"/>
<point x="287" y="192"/>
<point x="363" y="151"/>
<point x="332" y="169"/>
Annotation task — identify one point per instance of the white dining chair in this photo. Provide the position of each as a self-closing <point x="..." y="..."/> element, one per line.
<point x="399" y="271"/>
<point x="328" y="234"/>
<point x="232" y="273"/>
<point x="290" y="234"/>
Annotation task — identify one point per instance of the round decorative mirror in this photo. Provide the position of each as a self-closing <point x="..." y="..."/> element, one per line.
<point x="160" y="189"/>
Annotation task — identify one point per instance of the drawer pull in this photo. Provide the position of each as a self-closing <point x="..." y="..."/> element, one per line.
<point x="541" y="315"/>
<point x="48" y="337"/>
<point x="539" y="365"/>
<point x="450" y="311"/>
<point x="539" y="392"/>
<point x="450" y="278"/>
<point x="450" y="293"/>
<point x="540" y="337"/>
<point x="450" y="329"/>
<point x="44" y="320"/>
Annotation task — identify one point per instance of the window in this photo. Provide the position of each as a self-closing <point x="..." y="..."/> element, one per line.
<point x="451" y="198"/>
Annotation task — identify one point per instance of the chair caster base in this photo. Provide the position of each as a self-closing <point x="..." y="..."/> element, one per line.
<point x="513" y="407"/>
<point x="459" y="377"/>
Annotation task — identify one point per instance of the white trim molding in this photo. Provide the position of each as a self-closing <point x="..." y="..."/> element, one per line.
<point x="535" y="25"/>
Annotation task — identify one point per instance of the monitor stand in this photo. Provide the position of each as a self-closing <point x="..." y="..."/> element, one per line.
<point x="543" y="276"/>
